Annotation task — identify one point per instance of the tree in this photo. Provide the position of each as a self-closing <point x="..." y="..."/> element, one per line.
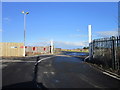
<point x="85" y="47"/>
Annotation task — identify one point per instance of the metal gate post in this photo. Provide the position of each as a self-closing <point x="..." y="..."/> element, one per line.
<point x="113" y="52"/>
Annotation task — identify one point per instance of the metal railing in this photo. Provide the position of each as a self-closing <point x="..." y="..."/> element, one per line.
<point x="106" y="52"/>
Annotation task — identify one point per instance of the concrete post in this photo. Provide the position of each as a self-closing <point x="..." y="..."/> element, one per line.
<point x="90" y="33"/>
<point x="90" y="40"/>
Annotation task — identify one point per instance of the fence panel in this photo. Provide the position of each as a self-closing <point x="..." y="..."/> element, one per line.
<point x="106" y="52"/>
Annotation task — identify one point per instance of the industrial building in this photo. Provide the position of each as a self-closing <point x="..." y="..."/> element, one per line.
<point x="11" y="49"/>
<point x="17" y="49"/>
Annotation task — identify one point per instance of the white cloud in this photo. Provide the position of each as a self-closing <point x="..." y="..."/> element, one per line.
<point x="60" y="44"/>
<point x="1" y="30"/>
<point x="66" y="44"/>
<point x="107" y="33"/>
<point x="78" y="30"/>
<point x="6" y="19"/>
<point x="44" y="43"/>
<point x="78" y="35"/>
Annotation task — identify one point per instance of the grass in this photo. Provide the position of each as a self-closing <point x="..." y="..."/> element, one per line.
<point x="76" y="51"/>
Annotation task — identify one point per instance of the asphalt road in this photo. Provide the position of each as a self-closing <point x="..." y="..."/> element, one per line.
<point x="18" y="74"/>
<point x="59" y="71"/>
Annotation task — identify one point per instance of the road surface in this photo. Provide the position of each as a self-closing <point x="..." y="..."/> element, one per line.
<point x="57" y="71"/>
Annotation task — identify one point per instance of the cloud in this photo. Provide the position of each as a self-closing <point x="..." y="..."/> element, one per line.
<point x="6" y="19"/>
<point x="1" y="30"/>
<point x="44" y="43"/>
<point x="78" y="30"/>
<point x="59" y="44"/>
<point x="107" y="33"/>
<point x="78" y="35"/>
<point x="66" y="44"/>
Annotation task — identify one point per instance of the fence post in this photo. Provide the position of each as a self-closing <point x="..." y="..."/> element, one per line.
<point x="113" y="52"/>
<point x="93" y="48"/>
<point x="117" y="53"/>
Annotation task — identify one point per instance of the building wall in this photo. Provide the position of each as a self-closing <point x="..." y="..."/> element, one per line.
<point x="11" y="49"/>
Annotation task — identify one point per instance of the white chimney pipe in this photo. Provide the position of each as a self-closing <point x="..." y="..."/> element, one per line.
<point x="90" y="33"/>
<point x="90" y="40"/>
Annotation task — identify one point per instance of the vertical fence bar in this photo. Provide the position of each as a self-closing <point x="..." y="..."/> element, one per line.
<point x="113" y="53"/>
<point x="117" y="53"/>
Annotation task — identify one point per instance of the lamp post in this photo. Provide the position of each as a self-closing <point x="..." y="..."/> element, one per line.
<point x="25" y="13"/>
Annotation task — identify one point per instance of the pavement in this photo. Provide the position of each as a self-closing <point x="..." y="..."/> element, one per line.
<point x="54" y="71"/>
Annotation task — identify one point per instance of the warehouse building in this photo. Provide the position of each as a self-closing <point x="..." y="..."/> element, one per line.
<point x="17" y="49"/>
<point x="11" y="49"/>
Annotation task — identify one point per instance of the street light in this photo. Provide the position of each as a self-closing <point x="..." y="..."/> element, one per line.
<point x="25" y="13"/>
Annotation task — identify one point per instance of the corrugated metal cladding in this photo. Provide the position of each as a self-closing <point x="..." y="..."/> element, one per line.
<point x="11" y="49"/>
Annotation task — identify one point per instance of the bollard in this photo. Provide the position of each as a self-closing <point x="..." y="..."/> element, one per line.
<point x="35" y="72"/>
<point x="38" y="58"/>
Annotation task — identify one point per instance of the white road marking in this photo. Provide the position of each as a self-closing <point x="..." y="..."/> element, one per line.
<point x="23" y="61"/>
<point x="111" y="75"/>
<point x="52" y="73"/>
<point x="104" y="72"/>
<point x="3" y="66"/>
<point x="16" y="61"/>
<point x="45" y="72"/>
<point x="45" y="58"/>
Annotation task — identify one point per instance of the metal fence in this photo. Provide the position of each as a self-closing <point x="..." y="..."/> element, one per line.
<point x="37" y="50"/>
<point x="106" y="52"/>
<point x="40" y="47"/>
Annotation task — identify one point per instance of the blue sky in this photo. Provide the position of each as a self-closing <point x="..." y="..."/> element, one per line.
<point x="64" y="22"/>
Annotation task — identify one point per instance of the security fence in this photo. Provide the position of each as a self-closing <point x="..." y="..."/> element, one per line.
<point x="11" y="49"/>
<point x="36" y="50"/>
<point x="106" y="52"/>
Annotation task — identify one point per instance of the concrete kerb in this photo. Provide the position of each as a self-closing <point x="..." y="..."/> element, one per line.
<point x="104" y="71"/>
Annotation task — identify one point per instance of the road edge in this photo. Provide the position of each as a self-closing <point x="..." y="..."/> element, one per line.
<point x="106" y="72"/>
